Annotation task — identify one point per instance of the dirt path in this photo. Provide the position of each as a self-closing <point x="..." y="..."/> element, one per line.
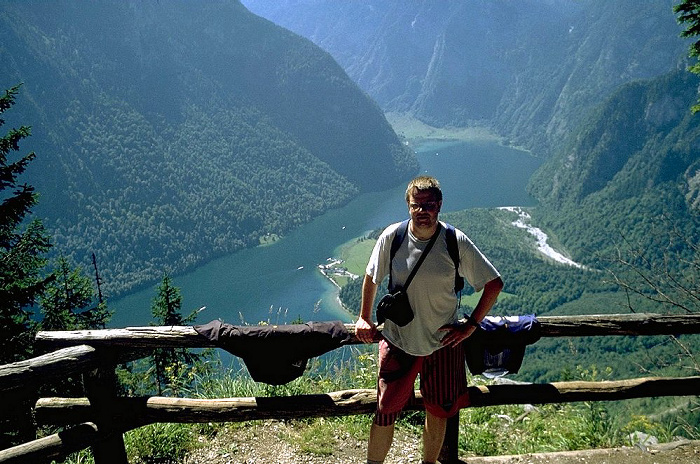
<point x="273" y="442"/>
<point x="685" y="452"/>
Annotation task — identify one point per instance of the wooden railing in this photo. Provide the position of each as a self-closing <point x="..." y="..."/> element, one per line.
<point x="100" y="420"/>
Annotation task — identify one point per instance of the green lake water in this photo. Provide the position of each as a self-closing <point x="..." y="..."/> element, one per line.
<point x="281" y="282"/>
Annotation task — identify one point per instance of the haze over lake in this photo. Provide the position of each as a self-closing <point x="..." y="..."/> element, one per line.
<point x="280" y="282"/>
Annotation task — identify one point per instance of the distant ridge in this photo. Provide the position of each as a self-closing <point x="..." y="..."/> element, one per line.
<point x="529" y="68"/>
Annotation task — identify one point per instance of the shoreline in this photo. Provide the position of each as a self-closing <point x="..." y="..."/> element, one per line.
<point x="418" y="134"/>
<point x="331" y="268"/>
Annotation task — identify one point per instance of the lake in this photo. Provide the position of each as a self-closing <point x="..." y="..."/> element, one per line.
<point x="279" y="283"/>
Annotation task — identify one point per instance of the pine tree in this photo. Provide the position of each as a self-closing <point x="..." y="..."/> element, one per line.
<point x="68" y="301"/>
<point x="689" y="14"/>
<point x="171" y="365"/>
<point x="22" y="246"/>
<point x="22" y="259"/>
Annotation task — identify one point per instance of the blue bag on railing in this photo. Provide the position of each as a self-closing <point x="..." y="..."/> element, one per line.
<point x="498" y="346"/>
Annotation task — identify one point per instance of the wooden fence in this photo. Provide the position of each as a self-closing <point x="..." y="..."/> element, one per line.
<point x="100" y="420"/>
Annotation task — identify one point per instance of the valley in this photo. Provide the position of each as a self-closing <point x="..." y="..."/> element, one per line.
<point x="229" y="148"/>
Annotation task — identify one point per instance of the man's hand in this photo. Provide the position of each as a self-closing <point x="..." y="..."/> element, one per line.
<point x="456" y="333"/>
<point x="365" y="330"/>
<point x="463" y="329"/>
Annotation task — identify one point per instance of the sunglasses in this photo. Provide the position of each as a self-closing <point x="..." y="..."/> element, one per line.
<point x="427" y="206"/>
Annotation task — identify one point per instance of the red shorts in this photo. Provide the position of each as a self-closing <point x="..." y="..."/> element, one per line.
<point x="443" y="381"/>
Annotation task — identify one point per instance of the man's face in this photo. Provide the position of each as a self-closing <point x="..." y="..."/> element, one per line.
<point x="423" y="208"/>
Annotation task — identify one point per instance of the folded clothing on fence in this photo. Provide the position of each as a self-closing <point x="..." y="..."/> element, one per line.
<point x="497" y="348"/>
<point x="276" y="354"/>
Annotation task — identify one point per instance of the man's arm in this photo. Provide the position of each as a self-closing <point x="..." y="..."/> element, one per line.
<point x="488" y="299"/>
<point x="456" y="333"/>
<point x="365" y="329"/>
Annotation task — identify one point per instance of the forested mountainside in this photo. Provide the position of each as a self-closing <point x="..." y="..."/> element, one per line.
<point x="630" y="173"/>
<point x="622" y="197"/>
<point x="531" y="69"/>
<point x="168" y="133"/>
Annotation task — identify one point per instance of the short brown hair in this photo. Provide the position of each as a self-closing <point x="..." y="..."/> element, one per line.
<point x="424" y="183"/>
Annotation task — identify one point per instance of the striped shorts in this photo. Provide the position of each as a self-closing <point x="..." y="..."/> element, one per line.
<point x="443" y="381"/>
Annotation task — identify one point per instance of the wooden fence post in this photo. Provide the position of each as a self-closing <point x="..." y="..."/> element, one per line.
<point x="450" y="447"/>
<point x="101" y="389"/>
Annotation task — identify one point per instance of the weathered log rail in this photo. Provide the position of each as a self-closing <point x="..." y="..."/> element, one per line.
<point x="135" y="412"/>
<point x="552" y="326"/>
<point x="57" y="364"/>
<point x="52" y="447"/>
<point x="104" y="417"/>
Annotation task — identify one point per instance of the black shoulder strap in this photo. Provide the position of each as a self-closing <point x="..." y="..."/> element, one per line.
<point x="398" y="238"/>
<point x="453" y="250"/>
<point x="395" y="245"/>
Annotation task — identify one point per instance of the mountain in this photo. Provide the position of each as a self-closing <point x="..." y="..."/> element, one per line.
<point x="607" y="44"/>
<point x="530" y="69"/>
<point x="446" y="62"/>
<point x="169" y="133"/>
<point x="630" y="173"/>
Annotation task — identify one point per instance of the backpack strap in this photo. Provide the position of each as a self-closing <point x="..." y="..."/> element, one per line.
<point x="398" y="238"/>
<point x="453" y="250"/>
<point x="395" y="245"/>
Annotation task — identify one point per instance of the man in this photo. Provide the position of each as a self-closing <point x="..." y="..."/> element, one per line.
<point x="431" y="344"/>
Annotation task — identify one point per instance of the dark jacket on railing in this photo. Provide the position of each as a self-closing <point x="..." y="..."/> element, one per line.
<point x="276" y="354"/>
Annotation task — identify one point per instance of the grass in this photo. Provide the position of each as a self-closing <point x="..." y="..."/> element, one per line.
<point x="355" y="254"/>
<point x="160" y="443"/>
<point x="413" y="130"/>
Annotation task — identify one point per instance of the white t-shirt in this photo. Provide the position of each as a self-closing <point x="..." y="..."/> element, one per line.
<point x="431" y="293"/>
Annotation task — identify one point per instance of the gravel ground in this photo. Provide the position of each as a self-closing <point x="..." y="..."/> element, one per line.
<point x="271" y="442"/>
<point x="685" y="452"/>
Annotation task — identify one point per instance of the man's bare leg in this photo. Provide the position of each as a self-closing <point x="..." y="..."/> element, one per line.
<point x="433" y="436"/>
<point x="380" y="438"/>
